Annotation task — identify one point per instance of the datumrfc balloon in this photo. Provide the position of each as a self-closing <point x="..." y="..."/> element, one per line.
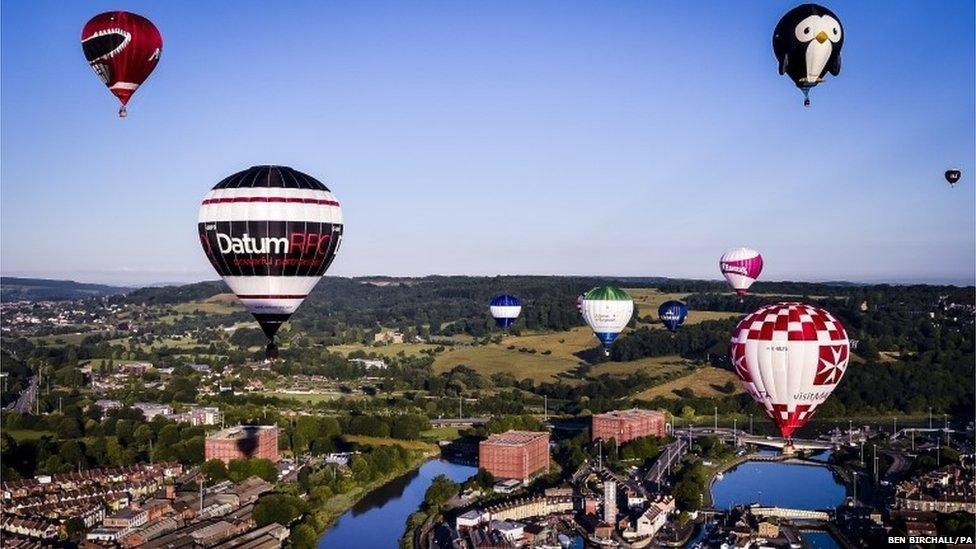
<point x="271" y="232"/>
<point x="807" y="43"/>
<point x="790" y="357"/>
<point x="123" y="49"/>
<point x="607" y="310"/>
<point x="672" y="314"/>
<point x="952" y="176"/>
<point x="505" y="309"/>
<point x="741" y="267"/>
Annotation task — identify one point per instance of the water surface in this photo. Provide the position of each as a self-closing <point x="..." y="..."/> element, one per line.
<point x="380" y="518"/>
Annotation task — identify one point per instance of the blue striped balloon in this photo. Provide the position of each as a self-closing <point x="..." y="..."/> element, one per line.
<point x="672" y="314"/>
<point x="505" y="310"/>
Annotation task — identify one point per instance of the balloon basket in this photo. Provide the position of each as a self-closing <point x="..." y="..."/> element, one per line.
<point x="271" y="351"/>
<point x="122" y="112"/>
<point x="789" y="449"/>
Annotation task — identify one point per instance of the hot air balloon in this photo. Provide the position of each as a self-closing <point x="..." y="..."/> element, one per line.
<point x="271" y="232"/>
<point x="790" y="357"/>
<point x="741" y="267"/>
<point x="672" y="314"/>
<point x="607" y="309"/>
<point x="807" y="43"/>
<point x="505" y="309"/>
<point x="952" y="176"/>
<point x="123" y="49"/>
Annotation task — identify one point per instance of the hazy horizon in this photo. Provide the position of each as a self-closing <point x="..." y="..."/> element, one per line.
<point x="114" y="279"/>
<point x="614" y="139"/>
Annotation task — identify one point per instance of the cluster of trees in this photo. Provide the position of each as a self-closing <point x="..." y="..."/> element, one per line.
<point x="239" y="470"/>
<point x="63" y="442"/>
<point x="374" y="464"/>
<point x="441" y="489"/>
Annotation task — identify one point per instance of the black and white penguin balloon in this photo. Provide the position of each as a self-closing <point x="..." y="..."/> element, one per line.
<point x="807" y="43"/>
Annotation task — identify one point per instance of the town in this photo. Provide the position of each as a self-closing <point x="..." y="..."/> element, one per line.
<point x="152" y="419"/>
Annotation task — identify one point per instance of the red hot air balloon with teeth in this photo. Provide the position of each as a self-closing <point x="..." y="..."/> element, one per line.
<point x="123" y="49"/>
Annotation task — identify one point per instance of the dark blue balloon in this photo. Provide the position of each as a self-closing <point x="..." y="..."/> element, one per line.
<point x="672" y="314"/>
<point x="505" y="309"/>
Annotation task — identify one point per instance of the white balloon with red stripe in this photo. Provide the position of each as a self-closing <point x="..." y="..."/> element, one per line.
<point x="271" y="232"/>
<point x="790" y="357"/>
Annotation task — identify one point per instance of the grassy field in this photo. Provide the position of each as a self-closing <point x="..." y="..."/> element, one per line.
<point x="386" y="441"/>
<point x="491" y="359"/>
<point x="62" y="339"/>
<point x="307" y="399"/>
<point x="220" y="304"/>
<point x="652" y="366"/>
<point x="647" y="300"/>
<point x="703" y="381"/>
<point x="441" y="433"/>
<point x="392" y="349"/>
<point x="21" y="435"/>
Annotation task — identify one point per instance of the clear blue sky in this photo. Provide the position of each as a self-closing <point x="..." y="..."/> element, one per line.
<point x="608" y="138"/>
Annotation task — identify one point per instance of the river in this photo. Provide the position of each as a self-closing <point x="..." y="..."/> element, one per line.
<point x="782" y="485"/>
<point x="379" y="519"/>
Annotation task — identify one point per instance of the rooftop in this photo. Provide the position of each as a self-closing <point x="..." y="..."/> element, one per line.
<point x="515" y="438"/>
<point x="633" y="413"/>
<point x="242" y="431"/>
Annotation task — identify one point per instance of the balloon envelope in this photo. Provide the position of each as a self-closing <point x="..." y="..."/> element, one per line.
<point x="607" y="310"/>
<point x="741" y="267"/>
<point x="271" y="232"/>
<point x="952" y="176"/>
<point x="123" y="49"/>
<point x="807" y="42"/>
<point x="505" y="309"/>
<point x="672" y="314"/>
<point x="790" y="357"/>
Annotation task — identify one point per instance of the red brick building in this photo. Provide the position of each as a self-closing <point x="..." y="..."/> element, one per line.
<point x="626" y="425"/>
<point x="243" y="441"/>
<point x="515" y="454"/>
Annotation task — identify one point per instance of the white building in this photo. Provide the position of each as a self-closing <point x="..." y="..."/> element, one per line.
<point x="472" y="518"/>
<point x="152" y="409"/>
<point x="511" y="531"/>
<point x="610" y="502"/>
<point x="370" y="363"/>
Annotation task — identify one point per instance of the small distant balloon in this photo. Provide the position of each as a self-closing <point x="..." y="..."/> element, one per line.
<point x="952" y="176"/>
<point x="672" y="314"/>
<point x="505" y="309"/>
<point x="741" y="267"/>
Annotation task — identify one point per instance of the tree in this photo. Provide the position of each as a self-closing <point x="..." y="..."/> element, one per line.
<point x="215" y="470"/>
<point x="280" y="508"/>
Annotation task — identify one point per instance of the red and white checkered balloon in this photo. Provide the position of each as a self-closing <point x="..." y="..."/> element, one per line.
<point x="790" y="357"/>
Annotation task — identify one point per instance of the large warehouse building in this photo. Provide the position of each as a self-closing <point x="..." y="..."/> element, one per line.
<point x="243" y="441"/>
<point x="626" y="425"/>
<point x="515" y="454"/>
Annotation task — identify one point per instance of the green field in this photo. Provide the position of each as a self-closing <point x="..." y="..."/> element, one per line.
<point x="21" y="435"/>
<point x="390" y="350"/>
<point x="705" y="381"/>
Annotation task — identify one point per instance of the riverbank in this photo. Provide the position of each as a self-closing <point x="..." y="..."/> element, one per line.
<point x="324" y="517"/>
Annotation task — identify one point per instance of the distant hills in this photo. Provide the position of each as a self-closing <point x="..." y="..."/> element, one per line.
<point x="39" y="289"/>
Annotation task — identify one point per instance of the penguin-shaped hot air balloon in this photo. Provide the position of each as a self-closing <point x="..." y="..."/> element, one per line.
<point x="807" y="43"/>
<point x="505" y="310"/>
<point x="952" y="176"/>
<point x="271" y="232"/>
<point x="672" y="314"/>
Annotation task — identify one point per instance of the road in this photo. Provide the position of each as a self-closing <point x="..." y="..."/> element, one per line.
<point x="25" y="402"/>
<point x="670" y="455"/>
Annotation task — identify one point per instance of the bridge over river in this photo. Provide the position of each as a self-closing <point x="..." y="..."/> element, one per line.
<point x="742" y="437"/>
